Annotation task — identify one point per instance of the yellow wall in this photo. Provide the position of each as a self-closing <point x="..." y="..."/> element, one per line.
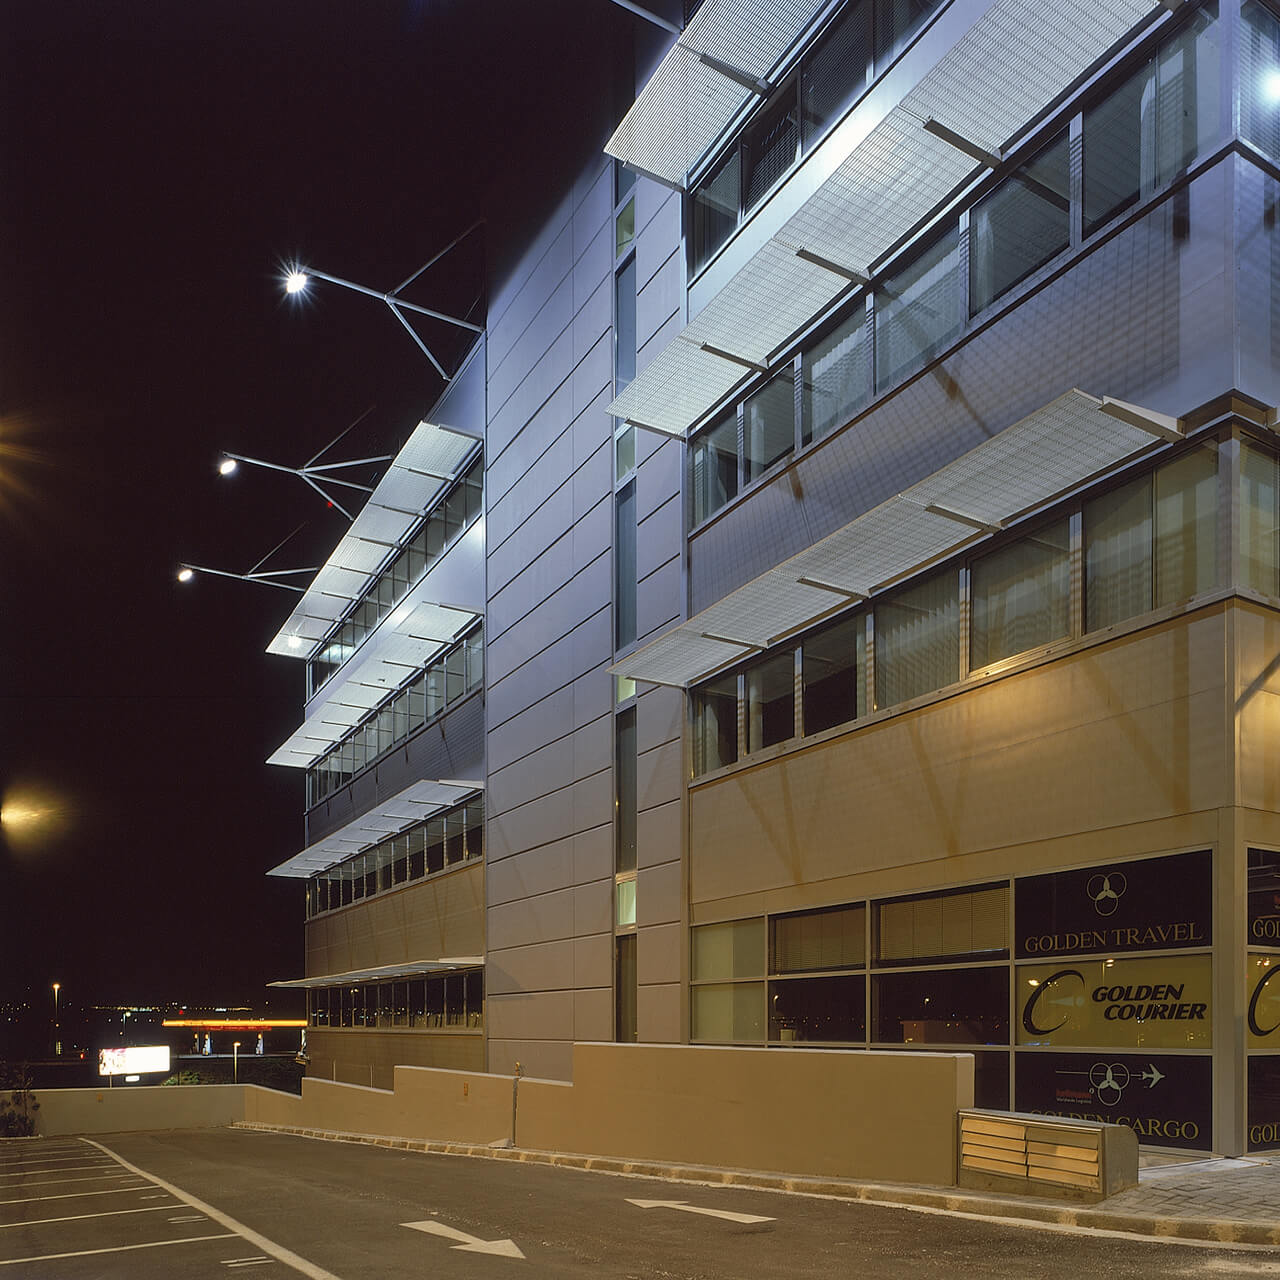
<point x="1114" y="749"/>
<point x="368" y="1057"/>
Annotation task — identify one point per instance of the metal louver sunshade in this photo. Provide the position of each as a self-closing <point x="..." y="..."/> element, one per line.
<point x="1007" y="68"/>
<point x="1028" y="464"/>
<point x="430" y="458"/>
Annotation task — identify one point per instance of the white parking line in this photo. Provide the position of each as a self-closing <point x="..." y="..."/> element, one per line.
<point x="259" y="1261"/>
<point x="119" y="1248"/>
<point x="77" y="1195"/>
<point x="77" y="1217"/>
<point x="80" y="1168"/>
<point x="58" y="1182"/>
<point x="279" y="1252"/>
<point x="50" y="1160"/>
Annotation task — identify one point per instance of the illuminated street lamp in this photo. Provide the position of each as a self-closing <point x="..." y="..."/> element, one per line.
<point x="57" y="1044"/>
<point x="235" y="1062"/>
<point x="297" y="278"/>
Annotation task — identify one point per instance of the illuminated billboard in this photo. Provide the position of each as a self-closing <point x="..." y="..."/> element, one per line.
<point x="135" y="1060"/>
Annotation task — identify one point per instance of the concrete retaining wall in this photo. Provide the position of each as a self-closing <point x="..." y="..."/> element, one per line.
<point x="873" y="1116"/>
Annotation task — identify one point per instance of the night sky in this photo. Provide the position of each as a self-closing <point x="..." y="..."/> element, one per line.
<point x="159" y="163"/>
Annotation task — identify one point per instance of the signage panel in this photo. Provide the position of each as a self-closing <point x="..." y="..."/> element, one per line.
<point x="133" y="1060"/>
<point x="1166" y="1100"/>
<point x="1155" y="904"/>
<point x="1262" y="1000"/>
<point x="1264" y="898"/>
<point x="1264" y="1103"/>
<point x="1148" y="1002"/>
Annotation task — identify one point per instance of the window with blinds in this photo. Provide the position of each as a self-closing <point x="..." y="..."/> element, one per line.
<point x="816" y="940"/>
<point x="948" y="926"/>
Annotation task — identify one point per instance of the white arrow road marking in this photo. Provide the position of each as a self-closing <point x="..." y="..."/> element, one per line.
<point x="466" y="1243"/>
<point x="685" y="1207"/>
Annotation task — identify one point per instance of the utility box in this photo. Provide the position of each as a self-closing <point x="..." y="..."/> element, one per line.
<point x="1082" y="1160"/>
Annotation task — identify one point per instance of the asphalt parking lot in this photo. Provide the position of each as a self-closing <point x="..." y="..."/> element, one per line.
<point x="210" y="1202"/>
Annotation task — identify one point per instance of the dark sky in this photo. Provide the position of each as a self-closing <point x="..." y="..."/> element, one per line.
<point x="158" y="162"/>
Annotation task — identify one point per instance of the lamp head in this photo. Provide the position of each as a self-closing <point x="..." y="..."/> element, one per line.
<point x="295" y="281"/>
<point x="185" y="574"/>
<point x="227" y="466"/>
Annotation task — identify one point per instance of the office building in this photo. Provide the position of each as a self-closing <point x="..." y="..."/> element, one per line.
<point x="840" y="588"/>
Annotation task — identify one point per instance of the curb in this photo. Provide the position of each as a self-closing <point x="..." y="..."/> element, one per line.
<point x="999" y="1208"/>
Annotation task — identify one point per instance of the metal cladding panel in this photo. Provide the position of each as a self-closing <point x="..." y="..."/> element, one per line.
<point x="430" y="458"/>
<point x="686" y="104"/>
<point x="677" y="387"/>
<point x="405" y="970"/>
<point x="420" y="800"/>
<point x="1005" y="70"/>
<point x="1028" y="464"/>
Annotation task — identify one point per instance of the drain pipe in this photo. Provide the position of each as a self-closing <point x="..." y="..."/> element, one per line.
<point x="515" y="1094"/>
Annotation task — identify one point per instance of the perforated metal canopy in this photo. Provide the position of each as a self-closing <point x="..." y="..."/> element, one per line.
<point x="417" y="801"/>
<point x="436" y="610"/>
<point x="724" y="57"/>
<point x="406" y="969"/>
<point x="430" y="458"/>
<point x="1009" y="66"/>
<point x="1028" y="464"/>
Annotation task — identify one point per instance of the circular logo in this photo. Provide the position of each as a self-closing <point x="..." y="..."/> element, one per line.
<point x="1105" y="891"/>
<point x="1068" y="997"/>
<point x="1109" y="1080"/>
<point x="1253" y="1004"/>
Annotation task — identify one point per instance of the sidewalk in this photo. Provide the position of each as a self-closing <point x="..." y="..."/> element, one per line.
<point x="1227" y="1201"/>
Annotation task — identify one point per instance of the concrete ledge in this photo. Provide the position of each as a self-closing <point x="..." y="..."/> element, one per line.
<point x="1022" y="1209"/>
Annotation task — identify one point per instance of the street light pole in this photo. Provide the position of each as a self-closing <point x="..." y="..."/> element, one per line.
<point x="235" y="1062"/>
<point x="57" y="1043"/>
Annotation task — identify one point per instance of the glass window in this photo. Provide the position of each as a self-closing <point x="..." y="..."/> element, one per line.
<point x="830" y="663"/>
<point x="919" y="310"/>
<point x="1186" y="510"/>
<point x="896" y="22"/>
<point x="728" y="1013"/>
<point x="455" y="674"/>
<point x="624" y="227"/>
<point x="416" y="839"/>
<point x="435" y="844"/>
<point x="769" y="425"/>
<point x="837" y="70"/>
<point x="1023" y="223"/>
<point x="973" y="922"/>
<point x="626" y="1025"/>
<point x="769" y="148"/>
<point x="433" y="1003"/>
<point x="624" y="451"/>
<point x="473" y="983"/>
<point x="1260" y="77"/>
<point x="474" y="818"/>
<point x="715" y="209"/>
<point x="942" y="1006"/>
<point x="823" y="1010"/>
<point x="455" y="1000"/>
<point x="1154" y="124"/>
<point x="771" y="701"/>
<point x="713" y="467"/>
<point x="1117" y="554"/>
<point x="454" y="837"/>
<point x="734" y="949"/>
<point x="836" y="373"/>
<point x="811" y="940"/>
<point x="1020" y="596"/>
<point x="624" y="565"/>
<point x="917" y="639"/>
<point x="625" y="900"/>
<point x="1259" y="520"/>
<point x="625" y="325"/>
<point x="715" y="724"/>
<point x="625" y="790"/>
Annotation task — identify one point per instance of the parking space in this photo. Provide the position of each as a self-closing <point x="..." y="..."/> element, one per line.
<point x="188" y="1205"/>
<point x="72" y="1208"/>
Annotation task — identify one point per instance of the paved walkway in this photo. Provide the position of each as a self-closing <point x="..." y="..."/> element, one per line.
<point x="1228" y="1201"/>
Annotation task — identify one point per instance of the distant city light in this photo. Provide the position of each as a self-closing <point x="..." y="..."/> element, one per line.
<point x="295" y="282"/>
<point x="185" y="574"/>
<point x="227" y="466"/>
